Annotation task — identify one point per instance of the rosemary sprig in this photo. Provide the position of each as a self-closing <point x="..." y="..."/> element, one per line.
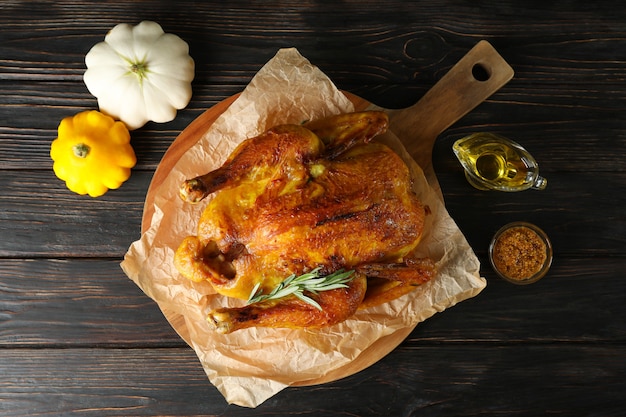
<point x="311" y="281"/>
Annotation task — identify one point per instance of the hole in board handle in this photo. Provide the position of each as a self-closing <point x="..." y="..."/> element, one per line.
<point x="480" y="72"/>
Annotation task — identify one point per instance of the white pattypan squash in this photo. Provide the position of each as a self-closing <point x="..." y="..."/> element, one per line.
<point x="140" y="73"/>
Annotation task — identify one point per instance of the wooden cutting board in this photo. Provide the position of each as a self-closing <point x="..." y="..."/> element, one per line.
<point x="479" y="74"/>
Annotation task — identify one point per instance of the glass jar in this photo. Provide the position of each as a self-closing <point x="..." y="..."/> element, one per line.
<point x="520" y="253"/>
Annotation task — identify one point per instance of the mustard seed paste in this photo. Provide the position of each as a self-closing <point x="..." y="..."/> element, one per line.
<point x="519" y="253"/>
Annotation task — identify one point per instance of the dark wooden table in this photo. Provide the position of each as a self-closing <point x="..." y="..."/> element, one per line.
<point x="77" y="337"/>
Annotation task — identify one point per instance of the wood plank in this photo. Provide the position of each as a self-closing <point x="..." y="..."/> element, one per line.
<point x="577" y="217"/>
<point x="91" y="303"/>
<point x="562" y="143"/>
<point x="572" y="212"/>
<point x="417" y="32"/>
<point x="545" y="122"/>
<point x="581" y="299"/>
<point x="426" y="380"/>
<point x="85" y="302"/>
<point x="67" y="224"/>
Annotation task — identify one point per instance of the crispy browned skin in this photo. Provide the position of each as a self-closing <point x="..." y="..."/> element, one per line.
<point x="292" y="312"/>
<point x="343" y="131"/>
<point x="297" y="197"/>
<point x="388" y="281"/>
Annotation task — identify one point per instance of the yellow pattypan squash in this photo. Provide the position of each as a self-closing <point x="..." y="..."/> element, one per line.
<point x="92" y="153"/>
<point x="140" y="73"/>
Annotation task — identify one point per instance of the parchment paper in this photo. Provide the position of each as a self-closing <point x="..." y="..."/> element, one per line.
<point x="251" y="365"/>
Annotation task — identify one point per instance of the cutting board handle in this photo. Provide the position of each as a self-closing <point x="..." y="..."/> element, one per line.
<point x="479" y="74"/>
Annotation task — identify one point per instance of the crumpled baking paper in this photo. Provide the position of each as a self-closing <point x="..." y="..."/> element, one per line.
<point x="251" y="365"/>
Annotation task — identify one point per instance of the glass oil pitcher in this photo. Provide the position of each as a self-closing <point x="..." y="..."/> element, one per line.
<point x="492" y="162"/>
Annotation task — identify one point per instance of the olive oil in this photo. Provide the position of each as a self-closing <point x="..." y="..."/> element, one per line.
<point x="492" y="162"/>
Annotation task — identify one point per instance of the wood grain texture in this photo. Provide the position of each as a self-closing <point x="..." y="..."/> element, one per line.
<point x="79" y="303"/>
<point x="580" y="221"/>
<point x="432" y="381"/>
<point x="90" y="302"/>
<point x="77" y="337"/>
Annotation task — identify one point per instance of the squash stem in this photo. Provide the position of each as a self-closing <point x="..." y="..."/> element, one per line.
<point x="81" y="150"/>
<point x="139" y="69"/>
